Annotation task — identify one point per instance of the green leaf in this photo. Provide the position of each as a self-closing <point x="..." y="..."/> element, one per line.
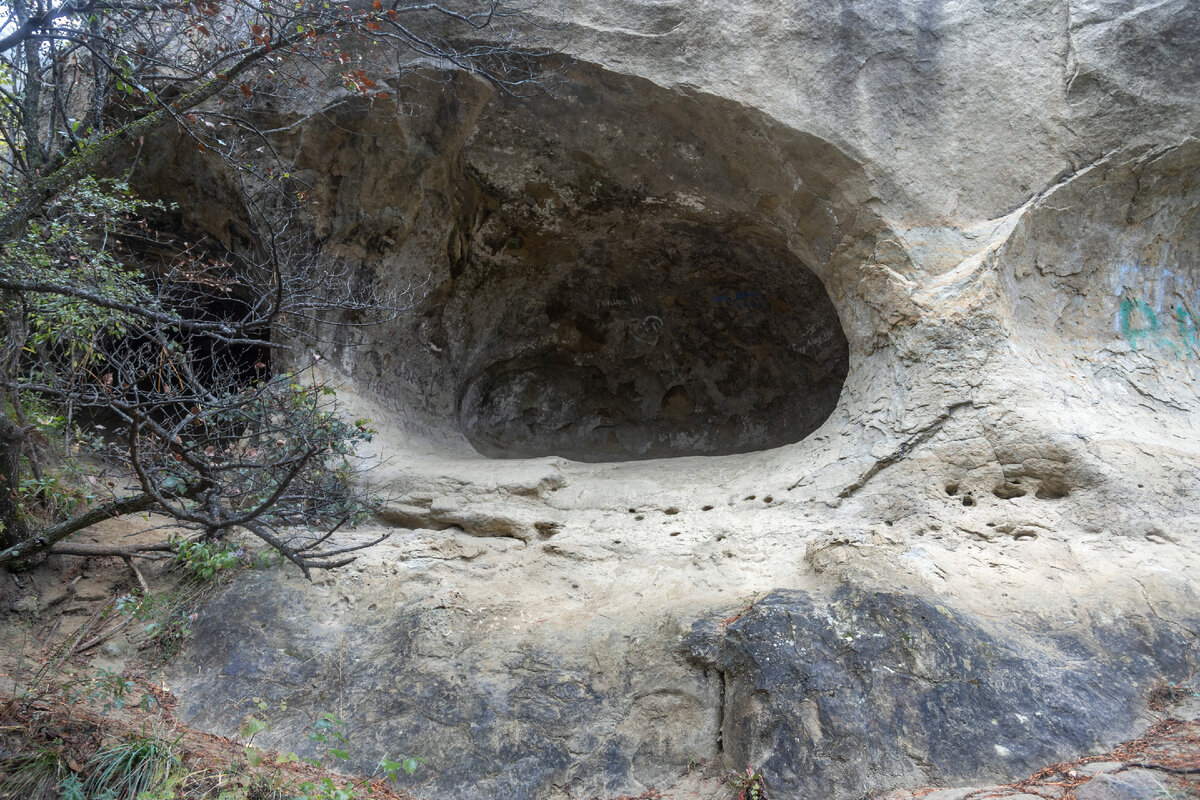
<point x="255" y="757"/>
<point x="390" y="768"/>
<point x="252" y="726"/>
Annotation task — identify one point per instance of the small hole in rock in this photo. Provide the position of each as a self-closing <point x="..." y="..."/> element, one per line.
<point x="675" y="533"/>
<point x="707" y="508"/>
<point x="1024" y="536"/>
<point x="968" y="500"/>
<point x="1008" y="490"/>
<point x="721" y="538"/>
<point x="768" y="499"/>
<point x="633" y="511"/>
<point x="671" y="511"/>
<point x="639" y="518"/>
<point x="888" y="523"/>
<point x="751" y="497"/>
<point x="951" y="489"/>
<point x="1052" y="490"/>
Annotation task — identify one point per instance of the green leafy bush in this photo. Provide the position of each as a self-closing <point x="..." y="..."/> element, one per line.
<point x="204" y="559"/>
<point x="749" y="784"/>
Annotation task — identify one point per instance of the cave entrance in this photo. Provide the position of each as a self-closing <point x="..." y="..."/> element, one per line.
<point x="664" y="339"/>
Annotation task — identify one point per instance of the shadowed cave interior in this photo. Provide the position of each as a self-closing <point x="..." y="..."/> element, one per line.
<point x="671" y="338"/>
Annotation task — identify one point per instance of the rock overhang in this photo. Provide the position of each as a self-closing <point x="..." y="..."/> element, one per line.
<point x="989" y="442"/>
<point x="618" y="271"/>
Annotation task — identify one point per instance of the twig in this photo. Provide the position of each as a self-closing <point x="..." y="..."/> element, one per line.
<point x="743" y="611"/>
<point x="1164" y="767"/>
<point x="70" y="649"/>
<point x="104" y="636"/>
<point x="141" y="581"/>
<point x="146" y="551"/>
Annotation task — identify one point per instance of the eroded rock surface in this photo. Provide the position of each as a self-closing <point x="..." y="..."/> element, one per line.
<point x="498" y="705"/>
<point x="863" y="690"/>
<point x="907" y="293"/>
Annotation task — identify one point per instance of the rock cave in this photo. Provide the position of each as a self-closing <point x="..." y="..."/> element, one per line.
<point x="812" y="389"/>
<point x="673" y="344"/>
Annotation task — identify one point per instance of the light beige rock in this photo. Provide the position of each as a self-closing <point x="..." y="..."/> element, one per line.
<point x="995" y="410"/>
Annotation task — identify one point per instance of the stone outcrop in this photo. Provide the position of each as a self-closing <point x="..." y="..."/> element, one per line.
<point x="865" y="690"/>
<point x="809" y="386"/>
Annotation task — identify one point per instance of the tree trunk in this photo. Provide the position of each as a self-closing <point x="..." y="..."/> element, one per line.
<point x="44" y="539"/>
<point x="13" y="529"/>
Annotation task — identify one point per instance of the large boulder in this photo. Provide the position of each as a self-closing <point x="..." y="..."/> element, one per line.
<point x="883" y="312"/>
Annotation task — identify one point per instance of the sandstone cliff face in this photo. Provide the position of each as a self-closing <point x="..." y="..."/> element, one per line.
<point x="810" y="385"/>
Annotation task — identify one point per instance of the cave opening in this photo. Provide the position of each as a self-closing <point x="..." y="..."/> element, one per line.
<point x="675" y="338"/>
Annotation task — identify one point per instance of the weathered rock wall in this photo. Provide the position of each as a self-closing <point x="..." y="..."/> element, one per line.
<point x="961" y="111"/>
<point x="907" y="290"/>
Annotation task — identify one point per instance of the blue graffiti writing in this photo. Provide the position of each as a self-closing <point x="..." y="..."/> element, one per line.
<point x="744" y="302"/>
<point x="1140" y="325"/>
<point x="1187" y="329"/>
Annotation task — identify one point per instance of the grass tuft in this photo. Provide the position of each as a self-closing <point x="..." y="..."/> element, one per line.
<point x="124" y="770"/>
<point x="35" y="776"/>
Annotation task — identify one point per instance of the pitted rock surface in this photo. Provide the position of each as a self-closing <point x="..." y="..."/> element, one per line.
<point x="868" y="309"/>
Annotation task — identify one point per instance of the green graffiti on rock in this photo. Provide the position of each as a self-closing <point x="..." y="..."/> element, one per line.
<point x="1140" y="325"/>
